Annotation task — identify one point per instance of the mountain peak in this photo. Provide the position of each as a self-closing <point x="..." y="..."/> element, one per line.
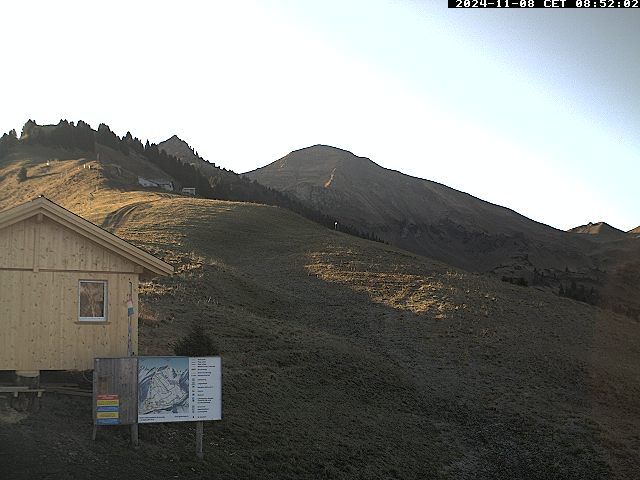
<point x="179" y="148"/>
<point x="321" y="148"/>
<point x="597" y="228"/>
<point x="325" y="158"/>
<point x="175" y="140"/>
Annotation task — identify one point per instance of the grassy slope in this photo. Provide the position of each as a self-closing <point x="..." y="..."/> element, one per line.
<point x="350" y="359"/>
<point x="364" y="357"/>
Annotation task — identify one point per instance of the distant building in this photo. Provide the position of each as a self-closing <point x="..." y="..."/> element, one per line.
<point x="189" y="191"/>
<point x="164" y="184"/>
<point x="146" y="183"/>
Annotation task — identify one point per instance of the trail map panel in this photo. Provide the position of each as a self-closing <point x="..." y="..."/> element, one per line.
<point x="179" y="389"/>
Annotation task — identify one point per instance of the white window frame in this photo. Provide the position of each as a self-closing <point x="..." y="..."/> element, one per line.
<point x="106" y="291"/>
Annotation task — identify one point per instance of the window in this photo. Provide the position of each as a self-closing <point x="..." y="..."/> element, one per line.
<point x="92" y="304"/>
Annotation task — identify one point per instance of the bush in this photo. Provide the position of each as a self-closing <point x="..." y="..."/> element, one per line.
<point x="580" y="293"/>
<point x="197" y="343"/>
<point x="520" y="281"/>
<point x="22" y="174"/>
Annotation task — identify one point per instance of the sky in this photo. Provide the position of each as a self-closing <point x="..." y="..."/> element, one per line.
<point x="537" y="110"/>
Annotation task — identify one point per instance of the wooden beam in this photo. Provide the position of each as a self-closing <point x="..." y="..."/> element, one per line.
<point x="70" y="270"/>
<point x="36" y="243"/>
<point x="199" y="435"/>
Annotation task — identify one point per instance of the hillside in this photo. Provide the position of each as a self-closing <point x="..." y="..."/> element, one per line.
<point x="431" y="219"/>
<point x="82" y="184"/>
<point x="129" y="159"/>
<point x="602" y="229"/>
<point x="419" y="215"/>
<point x="343" y="358"/>
<point x="228" y="185"/>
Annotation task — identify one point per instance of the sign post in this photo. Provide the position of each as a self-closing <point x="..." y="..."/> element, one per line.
<point x="130" y="312"/>
<point x="199" y="435"/>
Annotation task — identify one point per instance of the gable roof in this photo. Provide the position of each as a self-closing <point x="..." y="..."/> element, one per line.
<point x="153" y="266"/>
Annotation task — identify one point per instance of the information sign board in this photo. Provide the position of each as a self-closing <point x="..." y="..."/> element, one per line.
<point x="179" y="389"/>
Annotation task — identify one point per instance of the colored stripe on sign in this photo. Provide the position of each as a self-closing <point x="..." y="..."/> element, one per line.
<point x="110" y="403"/>
<point x="107" y="415"/>
<point x="107" y="397"/>
<point x="107" y="409"/>
<point x="108" y="421"/>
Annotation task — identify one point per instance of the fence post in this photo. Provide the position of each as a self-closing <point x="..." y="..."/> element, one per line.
<point x="199" y="435"/>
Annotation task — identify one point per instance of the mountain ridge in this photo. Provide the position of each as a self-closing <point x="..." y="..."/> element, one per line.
<point x="397" y="207"/>
<point x="437" y="221"/>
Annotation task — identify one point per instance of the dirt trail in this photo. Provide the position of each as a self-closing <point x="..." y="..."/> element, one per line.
<point x="113" y="220"/>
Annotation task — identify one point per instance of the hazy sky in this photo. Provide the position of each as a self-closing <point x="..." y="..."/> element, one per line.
<point x="537" y="110"/>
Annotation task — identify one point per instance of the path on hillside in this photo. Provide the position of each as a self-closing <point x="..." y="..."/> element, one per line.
<point x="115" y="219"/>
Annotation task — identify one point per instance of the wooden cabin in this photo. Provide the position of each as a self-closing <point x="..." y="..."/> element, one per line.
<point x="66" y="290"/>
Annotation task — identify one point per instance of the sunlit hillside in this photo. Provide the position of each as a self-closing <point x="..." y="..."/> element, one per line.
<point x="91" y="186"/>
<point x="345" y="358"/>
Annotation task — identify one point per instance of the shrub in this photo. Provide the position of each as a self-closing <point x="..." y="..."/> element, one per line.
<point x="22" y="174"/>
<point x="197" y="343"/>
<point x="520" y="281"/>
<point x="580" y="293"/>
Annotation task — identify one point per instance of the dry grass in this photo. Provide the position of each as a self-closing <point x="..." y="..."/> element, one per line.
<point x="350" y="359"/>
<point x="484" y="367"/>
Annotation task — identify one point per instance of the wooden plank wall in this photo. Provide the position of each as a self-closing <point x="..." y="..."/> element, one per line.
<point x="39" y="299"/>
<point x="62" y="249"/>
<point x="16" y="245"/>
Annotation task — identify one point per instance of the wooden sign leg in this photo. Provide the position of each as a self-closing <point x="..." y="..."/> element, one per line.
<point x="199" y="435"/>
<point x="95" y="432"/>
<point x="134" y="435"/>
